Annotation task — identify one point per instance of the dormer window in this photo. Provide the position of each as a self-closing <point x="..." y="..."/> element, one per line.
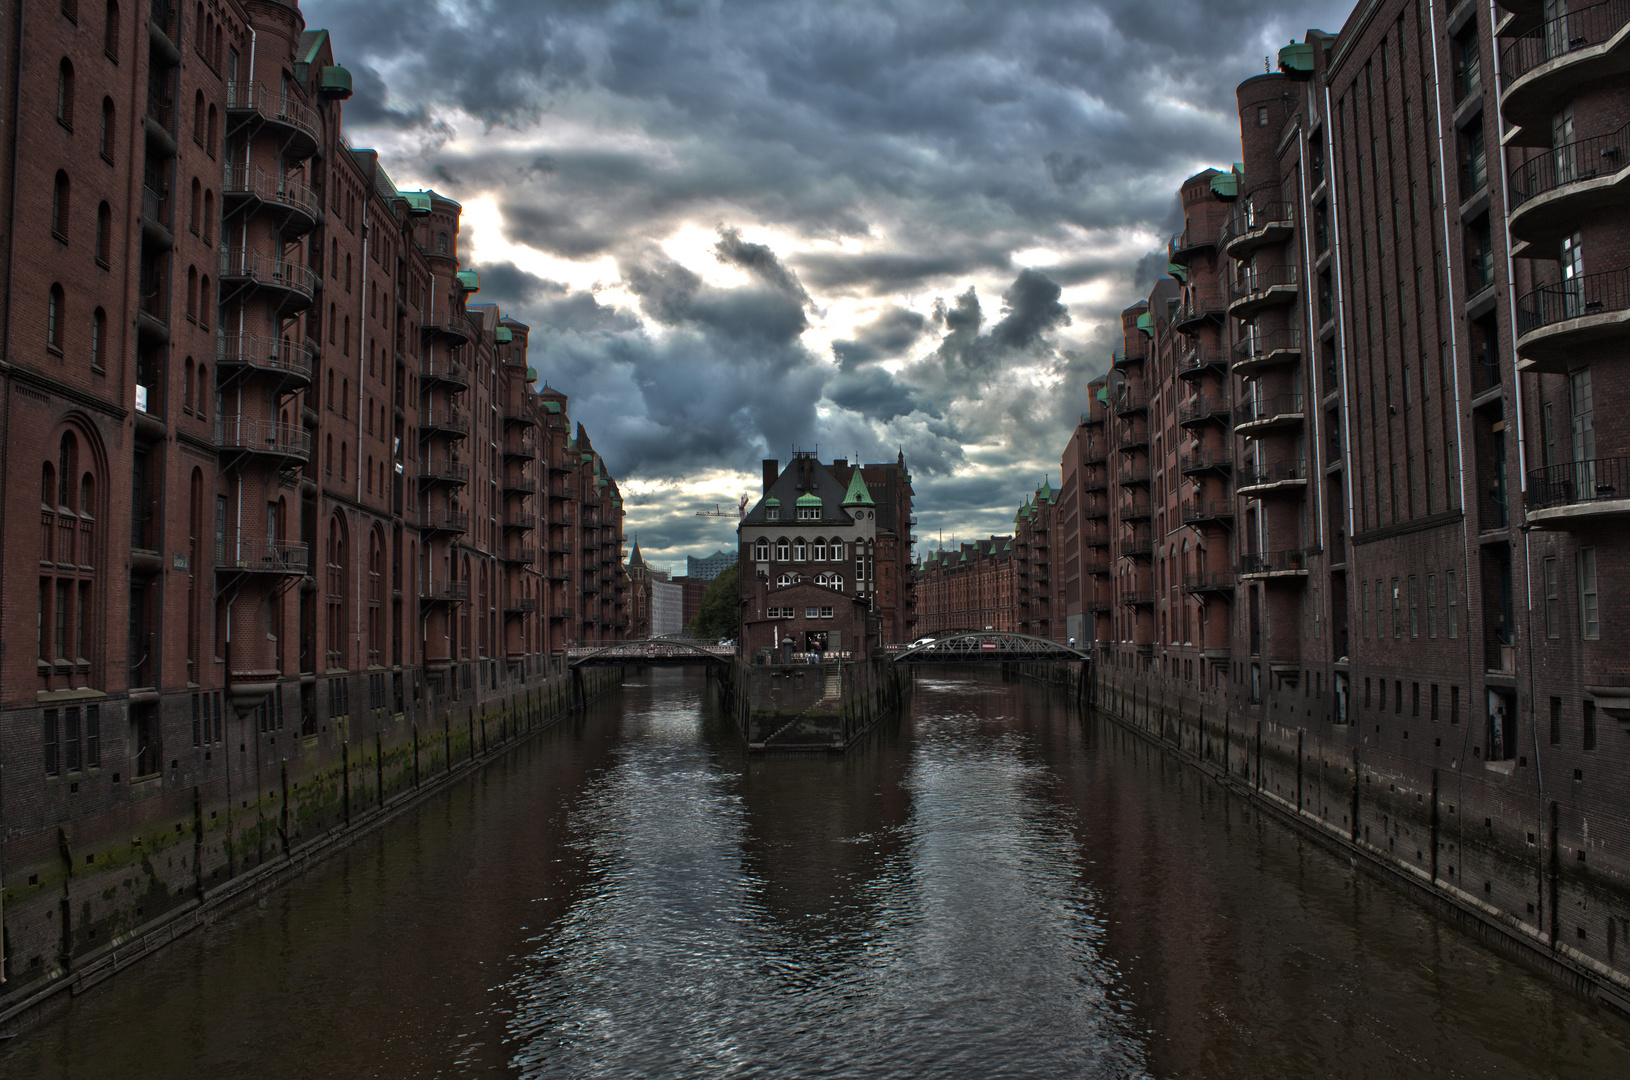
<point x="773" y="514"/>
<point x="809" y="513"/>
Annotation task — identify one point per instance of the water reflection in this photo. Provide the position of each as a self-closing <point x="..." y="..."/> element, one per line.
<point x="992" y="887"/>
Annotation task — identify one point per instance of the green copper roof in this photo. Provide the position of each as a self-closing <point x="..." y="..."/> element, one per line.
<point x="418" y="201"/>
<point x="334" y="81"/>
<point x="1146" y="323"/>
<point x="857" y="495"/>
<point x="809" y="498"/>
<point x="772" y="501"/>
<point x="553" y="406"/>
<point x="1046" y="491"/>
<point x="531" y="374"/>
<point x="1181" y="273"/>
<point x="503" y="335"/>
<point x="469" y="281"/>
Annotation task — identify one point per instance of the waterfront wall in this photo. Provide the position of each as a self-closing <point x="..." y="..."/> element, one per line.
<point x="811" y="707"/>
<point x="1487" y="845"/>
<point x="102" y="889"/>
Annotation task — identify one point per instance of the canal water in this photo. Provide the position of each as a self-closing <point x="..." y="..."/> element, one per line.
<point x="992" y="887"/>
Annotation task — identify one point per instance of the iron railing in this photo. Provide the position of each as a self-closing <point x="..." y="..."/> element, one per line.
<point x="262" y="437"/>
<point x="1589" y="294"/>
<point x="251" y="181"/>
<point x="1273" y="473"/>
<point x="276" y="106"/>
<point x="286" y="355"/>
<point x="1199" y="358"/>
<point x="1209" y="581"/>
<point x="247" y="264"/>
<point x="444" y="471"/>
<point x="1577" y="482"/>
<point x="446" y="591"/>
<point x="1578" y="29"/>
<point x="1205" y="458"/>
<point x="1585" y="159"/>
<point x="1291" y="560"/>
<point x="1260" y="281"/>
<point x="1202" y="408"/>
<point x="1266" y="408"/>
<point x="1287" y="340"/>
<point x="262" y="556"/>
<point x="1207" y="510"/>
<point x="1255" y="217"/>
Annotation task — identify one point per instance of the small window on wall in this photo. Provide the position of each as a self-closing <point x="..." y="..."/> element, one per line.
<point x="783" y="551"/>
<point x="1589" y="618"/>
<point x="800" y="551"/>
<point x="761" y="551"/>
<point x="1261" y="116"/>
<point x="812" y="613"/>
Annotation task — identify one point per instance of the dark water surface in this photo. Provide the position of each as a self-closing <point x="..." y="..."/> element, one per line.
<point x="995" y="888"/>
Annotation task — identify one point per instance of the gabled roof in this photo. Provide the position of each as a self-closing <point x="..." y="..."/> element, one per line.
<point x="857" y="495"/>
<point x="789" y="490"/>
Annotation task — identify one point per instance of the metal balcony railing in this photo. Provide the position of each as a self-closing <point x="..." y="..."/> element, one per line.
<point x="1579" y="482"/>
<point x="1260" y="281"/>
<point x="296" y="358"/>
<point x="1202" y="408"/>
<point x="260" y="268"/>
<point x="453" y="591"/>
<point x="1590" y="294"/>
<point x="446" y="371"/>
<point x="444" y="520"/>
<point x="262" y="556"/>
<point x="1254" y="217"/>
<point x="1291" y="560"/>
<point x="1207" y="510"/>
<point x="1200" y="304"/>
<point x="275" y="106"/>
<point x="1273" y="342"/>
<point x="1199" y="358"/>
<point x="1209" y="581"/>
<point x="444" y="471"/>
<point x="1570" y="164"/>
<point x="262" y="437"/>
<point x="1579" y="28"/>
<point x="1267" y="407"/>
<point x="1204" y="458"/>
<point x="251" y="181"/>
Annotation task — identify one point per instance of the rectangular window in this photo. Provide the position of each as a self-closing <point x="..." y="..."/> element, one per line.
<point x="93" y="736"/>
<point x="1398" y="696"/>
<point x="197" y="719"/>
<point x="49" y="735"/>
<point x="1364" y="607"/>
<point x="1454" y="704"/>
<point x="800" y="551"/>
<point x="70" y="739"/>
<point x="1450" y="599"/>
<point x="826" y="613"/>
<point x="1589" y="624"/>
<point x="1397" y="612"/>
<point x="812" y="613"/>
<point x="1553" y="600"/>
<point x="1588" y="731"/>
<point x="772" y="514"/>
<point x="1366" y="691"/>
<point x="1414" y="699"/>
<point x="61" y="633"/>
<point x="1556" y="721"/>
<point x="1414" y="607"/>
<point x="1434" y="703"/>
<point x="1431" y="605"/>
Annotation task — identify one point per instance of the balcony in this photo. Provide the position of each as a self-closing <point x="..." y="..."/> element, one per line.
<point x="1137" y="597"/>
<point x="523" y="605"/>
<point x="1095" y="566"/>
<point x="1257" y="481"/>
<point x="1205" y="511"/>
<point x="1255" y="225"/>
<point x="292" y="283"/>
<point x="1090" y="419"/>
<point x="1212" y="581"/>
<point x="448" y="422"/>
<point x="1580" y="493"/>
<point x="452" y="326"/>
<point x="520" y="556"/>
<point x="1552" y="194"/>
<point x="1138" y="543"/>
<point x="279" y="558"/>
<point x="1267" y="565"/>
<point x="155" y="218"/>
<point x="1544" y="67"/>
<point x="1202" y="409"/>
<point x="1133" y="351"/>
<point x="1135" y="509"/>
<point x="296" y="124"/>
<point x="1129" y="437"/>
<point x="519" y="521"/>
<point x="285" y="444"/>
<point x="1185" y="245"/>
<point x="443" y="471"/>
<point x="1135" y="473"/>
<point x="1201" y="359"/>
<point x="443" y="521"/>
<point x="560" y="614"/>
<point x="1096" y="479"/>
<point x="1267" y="413"/>
<point x="1199" y="306"/>
<point x="1267" y="350"/>
<point x="1132" y="401"/>
<point x="519" y="485"/>
<point x="1095" y="513"/>
<point x="1556" y="322"/>
<point x="444" y="373"/>
<point x="290" y="363"/>
<point x="1252" y="293"/>
<point x="258" y="190"/>
<point x="521" y="449"/>
<point x="519" y="416"/>
<point x="444" y="592"/>
<point x="1205" y="459"/>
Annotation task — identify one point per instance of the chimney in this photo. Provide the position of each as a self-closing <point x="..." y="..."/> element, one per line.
<point x="772" y="470"/>
<point x="840" y="463"/>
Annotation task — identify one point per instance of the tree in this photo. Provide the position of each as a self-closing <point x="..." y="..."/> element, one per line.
<point x="719" y="615"/>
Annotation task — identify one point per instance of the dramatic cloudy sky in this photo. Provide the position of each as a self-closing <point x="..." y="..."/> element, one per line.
<point x="741" y="228"/>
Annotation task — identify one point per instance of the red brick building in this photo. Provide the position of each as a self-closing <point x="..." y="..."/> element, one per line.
<point x="968" y="588"/>
<point x="1372" y="410"/>
<point x="295" y="489"/>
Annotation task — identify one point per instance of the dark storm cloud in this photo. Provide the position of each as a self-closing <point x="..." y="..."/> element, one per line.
<point x="934" y="139"/>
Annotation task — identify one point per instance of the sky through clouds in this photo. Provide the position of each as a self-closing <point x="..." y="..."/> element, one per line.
<point x="737" y="229"/>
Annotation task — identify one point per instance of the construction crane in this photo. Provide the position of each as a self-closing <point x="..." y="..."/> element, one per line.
<point x="741" y="510"/>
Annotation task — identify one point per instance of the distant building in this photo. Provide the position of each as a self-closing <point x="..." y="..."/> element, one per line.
<point x="969" y="587"/>
<point x="711" y="567"/>
<point x="693" y="589"/>
<point x="667" y="607"/>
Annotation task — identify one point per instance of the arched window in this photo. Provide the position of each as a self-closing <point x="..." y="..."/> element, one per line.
<point x="110" y="31"/>
<point x="820" y="550"/>
<point x="105" y="140"/>
<point x="376" y="595"/>
<point x="198" y="118"/>
<point x="784" y="580"/>
<point x="369" y="482"/>
<point x="209" y="217"/>
<point x="761" y="551"/>
<point x="104" y="234"/>
<point x="70" y="9"/>
<point x="203" y="390"/>
<point x="837" y="550"/>
<point x="192" y="293"/>
<point x="835" y="581"/>
<point x="783" y="550"/>
<point x="53" y="319"/>
<point x="328" y="457"/>
<point x="800" y="551"/>
<point x="206" y="302"/>
<point x="338" y="577"/>
<point x="331" y="339"/>
<point x="347" y="271"/>
<point x="48" y="486"/>
<point x="441" y="239"/>
<point x="198" y="28"/>
<point x="99" y="329"/>
<point x="69" y="635"/>
<point x="214" y="128"/>
<point x="345" y="342"/>
<point x="67" y="465"/>
<point x="186" y="386"/>
<point x="345" y="399"/>
<point x="345" y="462"/>
<point x="65" y="94"/>
<point x="59" y="206"/>
<point x="334" y="271"/>
<point x="195" y="208"/>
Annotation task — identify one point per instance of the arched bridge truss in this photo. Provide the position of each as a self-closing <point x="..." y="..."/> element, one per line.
<point x="652" y="651"/>
<point x="989" y="648"/>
